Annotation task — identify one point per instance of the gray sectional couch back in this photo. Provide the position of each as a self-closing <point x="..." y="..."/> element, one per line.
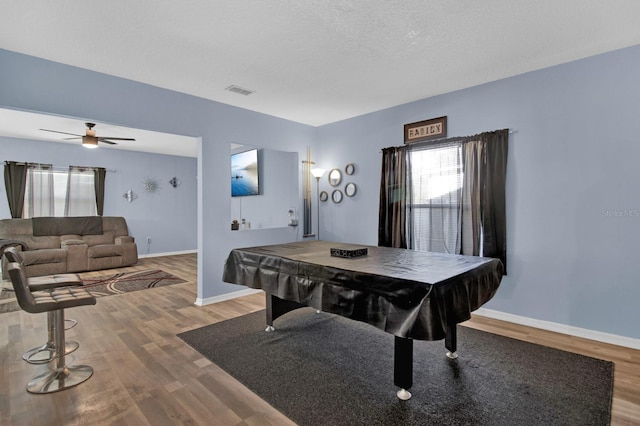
<point x="69" y="244"/>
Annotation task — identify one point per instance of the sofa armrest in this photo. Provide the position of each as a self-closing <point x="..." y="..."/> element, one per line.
<point x="76" y="255"/>
<point x="125" y="239"/>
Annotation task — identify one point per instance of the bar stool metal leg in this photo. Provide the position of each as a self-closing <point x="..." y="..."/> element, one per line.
<point x="63" y="376"/>
<point x="47" y="352"/>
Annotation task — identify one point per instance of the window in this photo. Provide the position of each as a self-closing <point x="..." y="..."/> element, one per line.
<point x="38" y="198"/>
<point x="446" y="196"/>
<point x="59" y="193"/>
<point x="436" y="208"/>
<point x="80" y="192"/>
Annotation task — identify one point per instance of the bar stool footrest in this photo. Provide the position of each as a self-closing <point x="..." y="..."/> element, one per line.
<point x="47" y="352"/>
<point x="70" y="323"/>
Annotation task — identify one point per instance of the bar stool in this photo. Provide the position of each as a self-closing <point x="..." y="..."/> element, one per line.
<point x="63" y="376"/>
<point x="44" y="354"/>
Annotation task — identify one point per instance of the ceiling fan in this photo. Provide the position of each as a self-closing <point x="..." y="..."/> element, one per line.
<point x="90" y="139"/>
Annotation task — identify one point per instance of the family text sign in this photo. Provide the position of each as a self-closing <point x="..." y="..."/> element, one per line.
<point x="434" y="128"/>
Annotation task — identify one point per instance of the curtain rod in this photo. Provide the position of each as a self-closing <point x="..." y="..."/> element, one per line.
<point x="451" y="139"/>
<point x="65" y="168"/>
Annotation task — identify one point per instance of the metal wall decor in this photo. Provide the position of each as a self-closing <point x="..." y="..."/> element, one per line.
<point x="151" y="185"/>
<point x="324" y="196"/>
<point x="174" y="182"/>
<point x="130" y="195"/>
<point x="336" y="196"/>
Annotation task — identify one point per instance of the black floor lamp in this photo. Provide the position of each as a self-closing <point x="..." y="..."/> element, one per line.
<point x="318" y="173"/>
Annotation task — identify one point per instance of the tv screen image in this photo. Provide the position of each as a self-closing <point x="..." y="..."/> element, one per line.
<point x="244" y="173"/>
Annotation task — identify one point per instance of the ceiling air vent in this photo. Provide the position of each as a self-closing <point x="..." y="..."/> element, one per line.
<point x="239" y="90"/>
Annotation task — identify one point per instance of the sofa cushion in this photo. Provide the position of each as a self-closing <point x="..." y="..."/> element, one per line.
<point x="47" y="269"/>
<point x="96" y="240"/>
<point x="15" y="228"/>
<point x="37" y="243"/>
<point x="44" y="256"/>
<point x="115" y="224"/>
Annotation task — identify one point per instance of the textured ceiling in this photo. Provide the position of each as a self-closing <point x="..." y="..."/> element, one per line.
<point x="321" y="61"/>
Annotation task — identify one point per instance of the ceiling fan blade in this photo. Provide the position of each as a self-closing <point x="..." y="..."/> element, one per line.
<point x="63" y="133"/>
<point x="71" y="139"/>
<point x="106" y="141"/>
<point x="115" y="139"/>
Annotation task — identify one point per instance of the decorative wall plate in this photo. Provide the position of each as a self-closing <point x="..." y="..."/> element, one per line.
<point x="350" y="189"/>
<point x="324" y="196"/>
<point x="350" y="169"/>
<point x="336" y="196"/>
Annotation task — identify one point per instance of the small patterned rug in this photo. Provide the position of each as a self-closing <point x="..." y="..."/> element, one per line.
<point x="101" y="286"/>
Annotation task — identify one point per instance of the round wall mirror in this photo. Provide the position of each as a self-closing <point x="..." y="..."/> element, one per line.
<point x="335" y="177"/>
<point x="350" y="169"/>
<point x="324" y="196"/>
<point x="336" y="195"/>
<point x="350" y="189"/>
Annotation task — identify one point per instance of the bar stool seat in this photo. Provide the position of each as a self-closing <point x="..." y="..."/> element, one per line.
<point x="47" y="282"/>
<point x="56" y="301"/>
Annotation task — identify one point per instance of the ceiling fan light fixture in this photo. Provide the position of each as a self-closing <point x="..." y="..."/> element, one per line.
<point x="90" y="141"/>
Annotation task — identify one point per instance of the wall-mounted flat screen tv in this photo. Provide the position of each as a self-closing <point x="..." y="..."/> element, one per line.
<point x="244" y="173"/>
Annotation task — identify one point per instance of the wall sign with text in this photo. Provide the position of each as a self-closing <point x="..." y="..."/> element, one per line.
<point x="434" y="128"/>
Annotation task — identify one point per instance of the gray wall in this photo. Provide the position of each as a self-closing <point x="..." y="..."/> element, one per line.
<point x="573" y="209"/>
<point x="35" y="84"/>
<point x="573" y="221"/>
<point x="168" y="215"/>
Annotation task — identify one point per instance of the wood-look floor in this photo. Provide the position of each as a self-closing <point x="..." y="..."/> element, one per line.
<point x="145" y="375"/>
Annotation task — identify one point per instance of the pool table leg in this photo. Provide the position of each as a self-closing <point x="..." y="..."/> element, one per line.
<point x="277" y="307"/>
<point x="403" y="366"/>
<point x="451" y="341"/>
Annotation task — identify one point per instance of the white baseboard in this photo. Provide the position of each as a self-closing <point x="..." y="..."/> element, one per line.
<point x="227" y="296"/>
<point x="598" y="336"/>
<point x="169" y="253"/>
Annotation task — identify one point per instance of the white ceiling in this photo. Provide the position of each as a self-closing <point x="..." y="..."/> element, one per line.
<point x="27" y="125"/>
<point x="321" y="61"/>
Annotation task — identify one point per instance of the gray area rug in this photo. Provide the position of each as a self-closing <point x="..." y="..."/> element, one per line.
<point x="118" y="283"/>
<point x="322" y="369"/>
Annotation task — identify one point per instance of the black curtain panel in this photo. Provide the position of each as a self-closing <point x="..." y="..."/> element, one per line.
<point x="100" y="174"/>
<point x="394" y="224"/>
<point x="15" y="180"/>
<point x="485" y="169"/>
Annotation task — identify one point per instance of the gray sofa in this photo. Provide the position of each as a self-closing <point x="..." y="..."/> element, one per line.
<point x="56" y="245"/>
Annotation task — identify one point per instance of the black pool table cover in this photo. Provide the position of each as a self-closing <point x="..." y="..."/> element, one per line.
<point x="410" y="294"/>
